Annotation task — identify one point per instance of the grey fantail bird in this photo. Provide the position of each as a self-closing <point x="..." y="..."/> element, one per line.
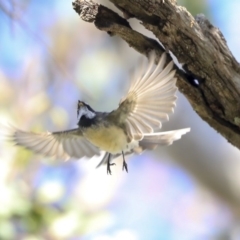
<point x="132" y="128"/>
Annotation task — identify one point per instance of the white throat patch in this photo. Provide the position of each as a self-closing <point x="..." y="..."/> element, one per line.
<point x="84" y="111"/>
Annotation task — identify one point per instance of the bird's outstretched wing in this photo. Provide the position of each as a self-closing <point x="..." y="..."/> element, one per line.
<point x="150" y="98"/>
<point x="65" y="144"/>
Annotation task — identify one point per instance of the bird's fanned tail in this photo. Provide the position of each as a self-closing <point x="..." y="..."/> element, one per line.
<point x="153" y="140"/>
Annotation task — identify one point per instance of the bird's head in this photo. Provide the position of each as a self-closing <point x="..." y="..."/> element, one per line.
<point x="84" y="111"/>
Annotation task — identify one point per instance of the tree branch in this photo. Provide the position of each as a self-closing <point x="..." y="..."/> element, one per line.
<point x="215" y="92"/>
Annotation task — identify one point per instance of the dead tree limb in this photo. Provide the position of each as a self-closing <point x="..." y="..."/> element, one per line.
<point x="210" y="78"/>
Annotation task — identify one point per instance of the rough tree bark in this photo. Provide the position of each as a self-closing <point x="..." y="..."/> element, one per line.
<point x="210" y="78"/>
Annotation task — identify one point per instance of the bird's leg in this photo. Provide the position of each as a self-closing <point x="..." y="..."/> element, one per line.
<point x="124" y="163"/>
<point x="78" y="108"/>
<point x="109" y="164"/>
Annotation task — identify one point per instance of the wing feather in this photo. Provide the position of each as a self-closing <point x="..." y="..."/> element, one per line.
<point x="150" y="98"/>
<point x="65" y="144"/>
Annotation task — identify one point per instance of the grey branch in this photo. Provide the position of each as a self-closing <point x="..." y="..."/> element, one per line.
<point x="87" y="10"/>
<point x="194" y="41"/>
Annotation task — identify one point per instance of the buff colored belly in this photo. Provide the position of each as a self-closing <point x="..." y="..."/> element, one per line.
<point x="111" y="139"/>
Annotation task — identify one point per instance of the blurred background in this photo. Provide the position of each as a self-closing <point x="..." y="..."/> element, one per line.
<point x="49" y="59"/>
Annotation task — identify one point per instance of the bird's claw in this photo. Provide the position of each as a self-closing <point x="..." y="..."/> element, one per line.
<point x="124" y="166"/>
<point x="109" y="168"/>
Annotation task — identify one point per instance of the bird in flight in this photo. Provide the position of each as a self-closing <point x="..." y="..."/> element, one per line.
<point x="132" y="128"/>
